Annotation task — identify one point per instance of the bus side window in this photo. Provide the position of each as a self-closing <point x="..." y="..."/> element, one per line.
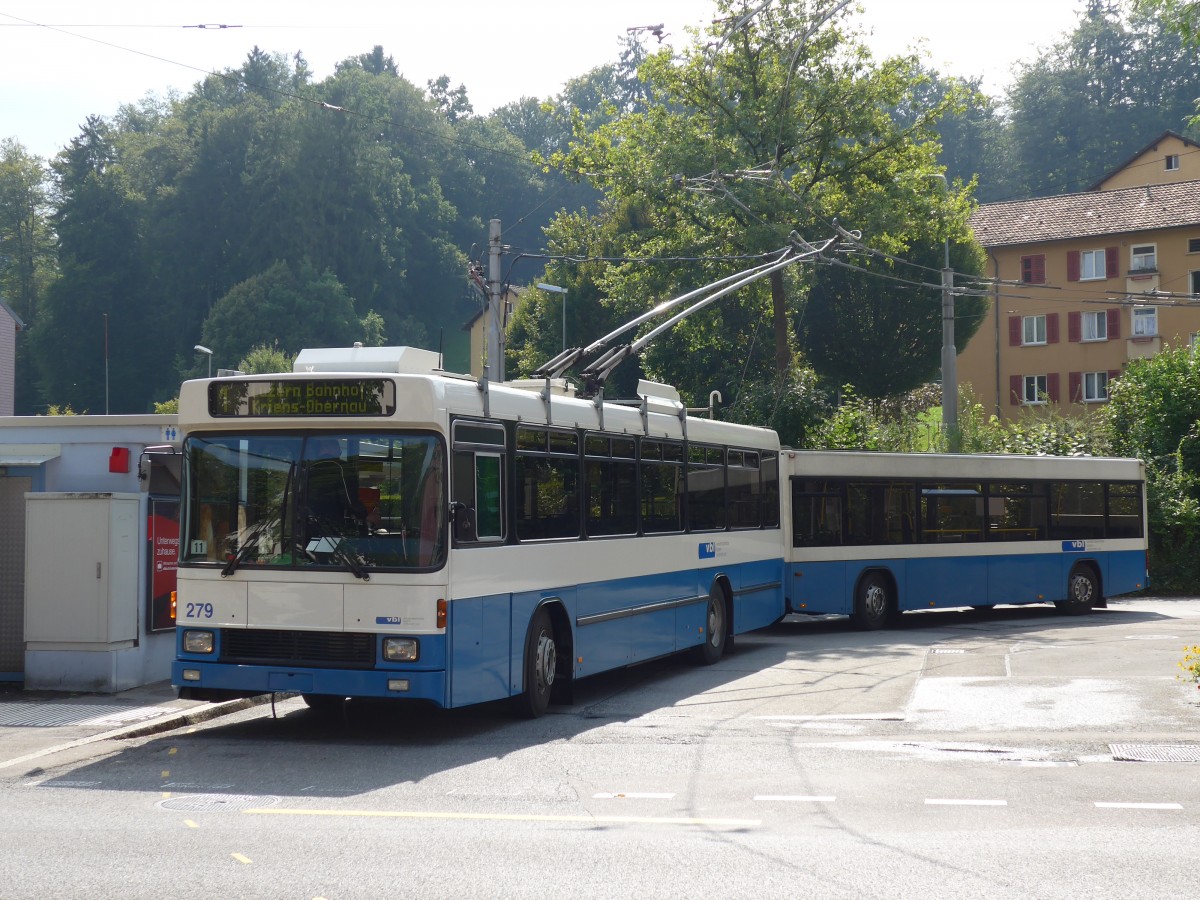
<point x="477" y="492"/>
<point x="477" y="497"/>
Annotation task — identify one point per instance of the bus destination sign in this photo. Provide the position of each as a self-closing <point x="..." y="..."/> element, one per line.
<point x="308" y="397"/>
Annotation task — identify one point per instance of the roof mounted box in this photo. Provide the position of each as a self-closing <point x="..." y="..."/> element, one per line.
<point x="392" y="360"/>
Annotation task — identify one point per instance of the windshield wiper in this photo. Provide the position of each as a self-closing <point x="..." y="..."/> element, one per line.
<point x="333" y="542"/>
<point x="251" y="543"/>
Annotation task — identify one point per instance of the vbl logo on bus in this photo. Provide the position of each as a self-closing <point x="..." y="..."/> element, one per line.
<point x="1074" y="546"/>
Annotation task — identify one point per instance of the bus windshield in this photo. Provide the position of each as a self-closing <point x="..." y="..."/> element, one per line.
<point x="348" y="501"/>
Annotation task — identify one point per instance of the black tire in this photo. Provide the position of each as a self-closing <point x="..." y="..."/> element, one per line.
<point x="541" y="662"/>
<point x="1083" y="592"/>
<point x="873" y="602"/>
<point x="323" y="703"/>
<point x="716" y="629"/>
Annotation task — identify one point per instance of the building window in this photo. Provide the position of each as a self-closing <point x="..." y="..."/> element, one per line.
<point x="1172" y="162"/>
<point x="1035" y="389"/>
<point x="1033" y="330"/>
<point x="1033" y="269"/>
<point x="1193" y="245"/>
<point x="1095" y="326"/>
<point x="1194" y="281"/>
<point x="1145" y="321"/>
<point x="1091" y="264"/>
<point x="1143" y="258"/>
<point x="1095" y="387"/>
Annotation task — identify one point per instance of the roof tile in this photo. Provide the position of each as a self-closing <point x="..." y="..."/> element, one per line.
<point x="1088" y="214"/>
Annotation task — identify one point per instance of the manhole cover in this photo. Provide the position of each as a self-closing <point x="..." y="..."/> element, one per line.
<point x="217" y="802"/>
<point x="1155" y="752"/>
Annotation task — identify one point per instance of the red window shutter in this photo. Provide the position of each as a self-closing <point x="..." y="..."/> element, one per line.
<point x="1072" y="265"/>
<point x="1014" y="390"/>
<point x="1114" y="324"/>
<point x="1051" y="328"/>
<point x="1075" y="386"/>
<point x="1052" y="387"/>
<point x="1039" y="269"/>
<point x="1074" y="327"/>
<point x="1110" y="262"/>
<point x="1014" y="331"/>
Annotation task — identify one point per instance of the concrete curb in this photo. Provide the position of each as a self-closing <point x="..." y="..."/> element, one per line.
<point x="169" y="722"/>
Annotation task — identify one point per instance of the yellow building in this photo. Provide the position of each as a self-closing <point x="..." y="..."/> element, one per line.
<point x="1087" y="282"/>
<point x="477" y="325"/>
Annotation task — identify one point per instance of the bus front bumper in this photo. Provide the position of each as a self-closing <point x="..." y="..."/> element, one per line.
<point x="210" y="681"/>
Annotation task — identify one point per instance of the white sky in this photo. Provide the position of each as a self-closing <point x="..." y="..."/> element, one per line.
<point x="97" y="56"/>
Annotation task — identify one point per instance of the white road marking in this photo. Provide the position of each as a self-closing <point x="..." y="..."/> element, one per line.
<point x="931" y="802"/>
<point x="632" y="795"/>
<point x="1138" y="806"/>
<point x="794" y="798"/>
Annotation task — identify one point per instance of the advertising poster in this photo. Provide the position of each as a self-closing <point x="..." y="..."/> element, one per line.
<point x="163" y="533"/>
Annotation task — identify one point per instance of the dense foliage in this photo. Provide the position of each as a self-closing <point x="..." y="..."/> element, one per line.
<point x="138" y="239"/>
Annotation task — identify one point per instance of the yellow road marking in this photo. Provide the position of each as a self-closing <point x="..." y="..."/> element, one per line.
<point x="172" y="751"/>
<point x="166" y="773"/>
<point x="190" y="824"/>
<point x="496" y="817"/>
<point x="166" y="795"/>
<point x="240" y="858"/>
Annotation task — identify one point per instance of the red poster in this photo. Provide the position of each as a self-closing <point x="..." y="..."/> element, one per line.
<point x="163" y="532"/>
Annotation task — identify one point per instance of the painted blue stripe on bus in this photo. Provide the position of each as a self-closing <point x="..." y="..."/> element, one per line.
<point x="946" y="582"/>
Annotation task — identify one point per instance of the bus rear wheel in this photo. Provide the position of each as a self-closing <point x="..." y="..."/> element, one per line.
<point x="872" y="602"/>
<point x="1083" y="592"/>
<point x="715" y="629"/>
<point x="541" y="663"/>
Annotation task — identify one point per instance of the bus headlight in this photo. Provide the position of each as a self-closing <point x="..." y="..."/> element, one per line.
<point x="401" y="649"/>
<point x="198" y="641"/>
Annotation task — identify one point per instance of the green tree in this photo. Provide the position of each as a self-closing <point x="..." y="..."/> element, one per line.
<point x="1154" y="413"/>
<point x="285" y="308"/>
<point x="28" y="263"/>
<point x="265" y="359"/>
<point x="1118" y="80"/>
<point x="854" y="312"/>
<point x="776" y="121"/>
<point x="90" y="343"/>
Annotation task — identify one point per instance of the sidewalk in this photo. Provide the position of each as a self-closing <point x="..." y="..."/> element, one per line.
<point x="37" y="723"/>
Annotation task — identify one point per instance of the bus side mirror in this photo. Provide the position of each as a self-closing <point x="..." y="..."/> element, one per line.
<point x="464" y="521"/>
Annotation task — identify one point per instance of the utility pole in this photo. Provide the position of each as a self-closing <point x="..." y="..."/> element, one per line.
<point x="949" y="353"/>
<point x="495" y="312"/>
<point x="949" y="358"/>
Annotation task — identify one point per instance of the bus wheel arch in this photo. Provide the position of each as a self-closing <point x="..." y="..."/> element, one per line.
<point x="875" y="600"/>
<point x="718" y="622"/>
<point x="1084" y="589"/>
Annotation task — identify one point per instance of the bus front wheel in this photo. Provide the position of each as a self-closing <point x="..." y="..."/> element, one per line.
<point x="541" y="661"/>
<point x="1083" y="591"/>
<point x="872" y="602"/>
<point x="715" y="629"/>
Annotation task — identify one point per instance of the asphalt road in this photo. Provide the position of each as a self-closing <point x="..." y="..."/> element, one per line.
<point x="965" y="754"/>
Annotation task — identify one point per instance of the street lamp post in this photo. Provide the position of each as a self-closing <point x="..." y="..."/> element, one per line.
<point x="555" y="289"/>
<point x="200" y="349"/>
